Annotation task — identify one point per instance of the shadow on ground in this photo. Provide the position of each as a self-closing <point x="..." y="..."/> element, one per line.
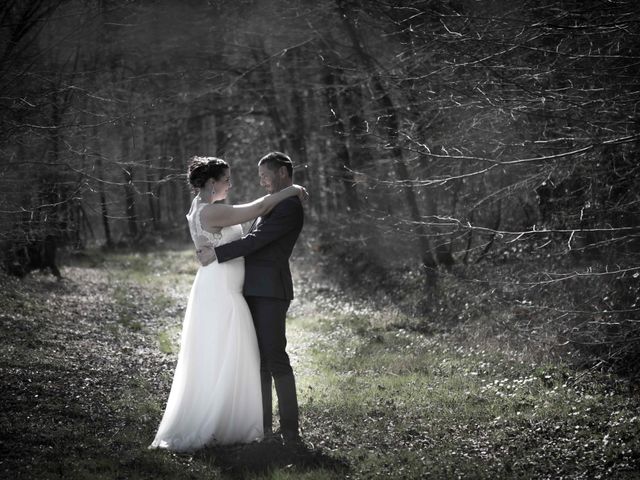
<point x="244" y="461"/>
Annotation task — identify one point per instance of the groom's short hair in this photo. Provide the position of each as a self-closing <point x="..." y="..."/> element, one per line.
<point x="275" y="160"/>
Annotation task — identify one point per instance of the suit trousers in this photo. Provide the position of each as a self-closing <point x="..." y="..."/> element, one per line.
<point x="269" y="318"/>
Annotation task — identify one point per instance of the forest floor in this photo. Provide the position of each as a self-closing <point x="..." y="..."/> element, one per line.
<point x="86" y="365"/>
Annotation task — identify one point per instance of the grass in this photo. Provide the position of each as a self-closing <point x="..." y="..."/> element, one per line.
<point x="87" y="365"/>
<point x="404" y="405"/>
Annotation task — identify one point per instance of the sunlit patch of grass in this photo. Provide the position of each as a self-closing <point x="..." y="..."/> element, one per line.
<point x="161" y="270"/>
<point x="124" y="298"/>
<point x="150" y="286"/>
<point x="179" y="261"/>
<point x="169" y="339"/>
<point x="398" y="401"/>
<point x="136" y="402"/>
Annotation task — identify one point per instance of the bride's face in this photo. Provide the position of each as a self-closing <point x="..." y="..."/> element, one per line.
<point x="221" y="186"/>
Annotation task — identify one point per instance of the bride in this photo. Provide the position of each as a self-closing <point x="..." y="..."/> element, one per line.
<point x="216" y="397"/>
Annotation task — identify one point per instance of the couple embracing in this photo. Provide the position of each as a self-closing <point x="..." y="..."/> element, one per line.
<point x="233" y="343"/>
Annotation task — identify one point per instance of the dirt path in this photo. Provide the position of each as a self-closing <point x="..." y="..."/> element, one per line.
<point x="69" y="365"/>
<point x="85" y="377"/>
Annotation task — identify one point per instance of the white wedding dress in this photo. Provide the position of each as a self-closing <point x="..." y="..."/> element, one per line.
<point x="215" y="397"/>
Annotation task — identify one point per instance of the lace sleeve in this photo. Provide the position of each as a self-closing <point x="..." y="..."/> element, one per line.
<point x="211" y="238"/>
<point x="199" y="235"/>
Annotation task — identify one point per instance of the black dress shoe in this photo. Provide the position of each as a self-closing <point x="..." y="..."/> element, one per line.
<point x="271" y="438"/>
<point x="292" y="439"/>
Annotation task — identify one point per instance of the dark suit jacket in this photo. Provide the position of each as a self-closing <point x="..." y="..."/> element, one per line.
<point x="267" y="249"/>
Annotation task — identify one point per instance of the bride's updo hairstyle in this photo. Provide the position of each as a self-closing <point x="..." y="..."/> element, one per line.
<point x="202" y="169"/>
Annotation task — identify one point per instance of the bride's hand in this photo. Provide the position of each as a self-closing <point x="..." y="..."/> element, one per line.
<point x="303" y="195"/>
<point x="206" y="255"/>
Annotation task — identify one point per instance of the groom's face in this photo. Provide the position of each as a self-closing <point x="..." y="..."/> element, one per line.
<point x="269" y="180"/>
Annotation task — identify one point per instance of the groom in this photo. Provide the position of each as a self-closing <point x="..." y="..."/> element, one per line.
<point x="268" y="289"/>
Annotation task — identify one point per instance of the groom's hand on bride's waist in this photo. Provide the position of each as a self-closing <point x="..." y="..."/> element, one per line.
<point x="206" y="255"/>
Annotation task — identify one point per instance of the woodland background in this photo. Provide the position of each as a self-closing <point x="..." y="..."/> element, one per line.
<point x="466" y="160"/>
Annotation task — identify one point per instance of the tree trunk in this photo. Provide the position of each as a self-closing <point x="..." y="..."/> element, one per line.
<point x="151" y="196"/>
<point x="390" y="123"/>
<point x="183" y="161"/>
<point x="129" y="191"/>
<point x="270" y="99"/>
<point x="104" y="212"/>
<point x="221" y="133"/>
<point x="297" y="131"/>
<point x="496" y="225"/>
<point x="343" y="155"/>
